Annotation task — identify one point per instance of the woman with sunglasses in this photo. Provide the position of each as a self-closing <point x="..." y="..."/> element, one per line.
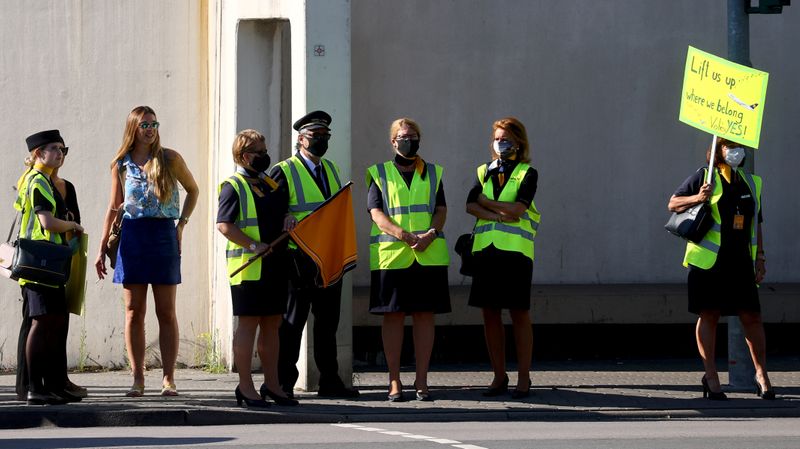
<point x="144" y="183"/>
<point x="66" y="191"/>
<point x="44" y="218"/>
<point x="251" y="213"/>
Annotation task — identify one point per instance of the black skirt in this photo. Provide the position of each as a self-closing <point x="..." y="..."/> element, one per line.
<point x="729" y="286"/>
<point x="266" y="296"/>
<point x="43" y="300"/>
<point x="414" y="289"/>
<point x="502" y="280"/>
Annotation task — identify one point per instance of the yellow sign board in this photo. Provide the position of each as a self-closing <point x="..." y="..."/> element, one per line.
<point x="76" y="285"/>
<point x="723" y="98"/>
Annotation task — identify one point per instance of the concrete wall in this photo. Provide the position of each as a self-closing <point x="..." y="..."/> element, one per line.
<point x="597" y="83"/>
<point x="81" y="66"/>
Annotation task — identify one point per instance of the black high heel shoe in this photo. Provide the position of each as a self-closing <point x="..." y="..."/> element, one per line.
<point x="249" y="403"/>
<point x="497" y="391"/>
<point x="712" y="395"/>
<point x="280" y="400"/>
<point x="396" y="397"/>
<point x="764" y="394"/>
<point x="519" y="394"/>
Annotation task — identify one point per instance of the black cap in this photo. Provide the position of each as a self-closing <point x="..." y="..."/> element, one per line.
<point x="41" y="138"/>
<point x="313" y="120"/>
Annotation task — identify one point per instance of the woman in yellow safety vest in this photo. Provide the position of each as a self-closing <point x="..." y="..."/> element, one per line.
<point x="507" y="220"/>
<point x="44" y="218"/>
<point x="728" y="263"/>
<point x="408" y="253"/>
<point x="251" y="214"/>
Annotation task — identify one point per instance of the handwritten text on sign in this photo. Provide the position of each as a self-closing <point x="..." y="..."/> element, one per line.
<point x="723" y="98"/>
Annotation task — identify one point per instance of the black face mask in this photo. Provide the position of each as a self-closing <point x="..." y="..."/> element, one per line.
<point x="407" y="148"/>
<point x="317" y="147"/>
<point x="260" y="162"/>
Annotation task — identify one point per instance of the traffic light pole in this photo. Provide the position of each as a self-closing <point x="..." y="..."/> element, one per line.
<point x="740" y="365"/>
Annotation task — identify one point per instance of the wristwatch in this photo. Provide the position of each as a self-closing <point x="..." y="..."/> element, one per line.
<point x="252" y="246"/>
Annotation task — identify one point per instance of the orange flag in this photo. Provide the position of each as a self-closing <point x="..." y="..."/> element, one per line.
<point x="328" y="236"/>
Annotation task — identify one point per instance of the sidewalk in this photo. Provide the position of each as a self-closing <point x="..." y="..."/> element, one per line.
<point x="581" y="390"/>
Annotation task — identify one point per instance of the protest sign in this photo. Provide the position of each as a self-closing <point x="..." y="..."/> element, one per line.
<point x="723" y="98"/>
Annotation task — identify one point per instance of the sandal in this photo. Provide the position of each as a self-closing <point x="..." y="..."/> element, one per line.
<point x="136" y="391"/>
<point x="169" y="390"/>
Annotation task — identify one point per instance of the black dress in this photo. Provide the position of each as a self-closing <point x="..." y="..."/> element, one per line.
<point x="268" y="295"/>
<point x="503" y="279"/>
<point x="417" y="288"/>
<point x="729" y="285"/>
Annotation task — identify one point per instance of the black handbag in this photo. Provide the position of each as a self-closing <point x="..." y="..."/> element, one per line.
<point x="464" y="249"/>
<point x="41" y="261"/>
<point x="691" y="224"/>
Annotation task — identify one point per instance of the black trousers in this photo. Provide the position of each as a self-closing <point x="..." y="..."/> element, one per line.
<point x="22" y="363"/>
<point x="325" y="304"/>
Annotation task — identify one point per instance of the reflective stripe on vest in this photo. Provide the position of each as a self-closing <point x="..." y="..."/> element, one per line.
<point x="518" y="236"/>
<point x="412" y="209"/>
<point x="304" y="194"/>
<point x="704" y="254"/>
<point x="247" y="221"/>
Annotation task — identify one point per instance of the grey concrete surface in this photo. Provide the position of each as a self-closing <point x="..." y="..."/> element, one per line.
<point x="563" y="391"/>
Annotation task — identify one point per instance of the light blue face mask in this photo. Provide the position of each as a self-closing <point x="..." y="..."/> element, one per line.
<point x="734" y="156"/>
<point x="503" y="148"/>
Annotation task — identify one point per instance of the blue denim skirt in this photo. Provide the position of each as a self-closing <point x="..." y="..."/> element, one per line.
<point x="148" y="253"/>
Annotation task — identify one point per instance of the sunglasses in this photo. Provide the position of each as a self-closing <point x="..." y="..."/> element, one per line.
<point x="145" y="125"/>
<point x="63" y="150"/>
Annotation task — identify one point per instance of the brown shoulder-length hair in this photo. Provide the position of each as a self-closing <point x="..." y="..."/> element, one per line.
<point x="718" y="158"/>
<point x="517" y="131"/>
<point x="243" y="142"/>
<point x="157" y="168"/>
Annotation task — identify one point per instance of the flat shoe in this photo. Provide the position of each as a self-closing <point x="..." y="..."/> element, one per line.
<point x="169" y="390"/>
<point x="136" y="391"/>
<point x="76" y="390"/>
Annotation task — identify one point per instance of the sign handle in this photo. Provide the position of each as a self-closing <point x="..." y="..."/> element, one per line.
<point x="711" y="160"/>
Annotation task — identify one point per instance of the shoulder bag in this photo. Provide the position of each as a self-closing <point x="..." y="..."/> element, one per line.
<point x="691" y="224"/>
<point x="115" y="233"/>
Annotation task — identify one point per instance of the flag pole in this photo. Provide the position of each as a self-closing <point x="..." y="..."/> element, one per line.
<point x="285" y="234"/>
<point x="711" y="160"/>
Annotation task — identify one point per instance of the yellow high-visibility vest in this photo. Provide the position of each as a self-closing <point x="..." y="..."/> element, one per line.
<point x="304" y="194"/>
<point x="30" y="227"/>
<point x="704" y="254"/>
<point x="412" y="209"/>
<point x="247" y="221"/>
<point x="516" y="236"/>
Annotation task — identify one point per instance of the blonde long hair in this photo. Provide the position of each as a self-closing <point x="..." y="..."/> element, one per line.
<point x="157" y="168"/>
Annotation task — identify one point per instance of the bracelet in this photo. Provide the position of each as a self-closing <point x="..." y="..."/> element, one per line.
<point x="184" y="220"/>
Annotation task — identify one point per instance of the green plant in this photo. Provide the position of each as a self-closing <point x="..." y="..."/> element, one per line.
<point x="83" y="354"/>
<point x="209" y="357"/>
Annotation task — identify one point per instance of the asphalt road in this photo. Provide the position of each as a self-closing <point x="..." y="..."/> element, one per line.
<point x="697" y="433"/>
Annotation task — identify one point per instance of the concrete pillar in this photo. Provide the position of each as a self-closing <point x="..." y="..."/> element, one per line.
<point x="304" y="65"/>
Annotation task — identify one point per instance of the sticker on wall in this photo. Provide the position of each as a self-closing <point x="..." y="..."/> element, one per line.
<point x="319" y="50"/>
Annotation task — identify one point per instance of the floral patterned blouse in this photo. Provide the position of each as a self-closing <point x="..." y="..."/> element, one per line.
<point x="140" y="198"/>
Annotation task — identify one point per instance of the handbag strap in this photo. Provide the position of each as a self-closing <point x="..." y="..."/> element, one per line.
<point x="13" y="225"/>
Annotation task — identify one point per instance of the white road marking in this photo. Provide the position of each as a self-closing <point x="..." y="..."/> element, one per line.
<point x="454" y="443"/>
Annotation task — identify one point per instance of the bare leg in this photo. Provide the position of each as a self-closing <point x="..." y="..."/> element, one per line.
<point x="164" y="296"/>
<point x="269" y="350"/>
<point x="757" y="342"/>
<point x="243" y="339"/>
<point x="706" y="334"/>
<point x="392" y="333"/>
<point x="135" y="309"/>
<point x="523" y="337"/>
<point x="495" y="343"/>
<point x="424" y="331"/>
